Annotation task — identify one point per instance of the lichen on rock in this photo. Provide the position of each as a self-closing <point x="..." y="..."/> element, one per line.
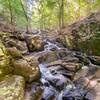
<point x="12" y="88"/>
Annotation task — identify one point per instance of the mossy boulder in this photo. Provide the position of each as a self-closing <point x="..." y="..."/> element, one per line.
<point x="5" y="66"/>
<point x="85" y="35"/>
<point x="34" y="43"/>
<point x="12" y="88"/>
<point x="28" y="68"/>
<point x="14" y="52"/>
<point x="20" y="45"/>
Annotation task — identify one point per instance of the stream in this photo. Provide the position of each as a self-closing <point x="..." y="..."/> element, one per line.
<point x="56" y="82"/>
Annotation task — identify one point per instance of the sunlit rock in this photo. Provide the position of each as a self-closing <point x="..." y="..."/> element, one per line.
<point x="27" y="68"/>
<point x="5" y="66"/>
<point x="34" y="43"/>
<point x="71" y="66"/>
<point x="12" y="88"/>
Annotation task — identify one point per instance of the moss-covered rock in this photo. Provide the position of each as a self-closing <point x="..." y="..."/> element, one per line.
<point x="34" y="42"/>
<point x="28" y="68"/>
<point x="85" y="35"/>
<point x="5" y="66"/>
<point x="20" y="45"/>
<point x="12" y="88"/>
<point x="14" y="52"/>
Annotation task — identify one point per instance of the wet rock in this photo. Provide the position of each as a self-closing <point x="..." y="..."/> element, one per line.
<point x="95" y="59"/>
<point x="48" y="57"/>
<point x="34" y="43"/>
<point x="67" y="74"/>
<point x="5" y="66"/>
<point x="12" y="88"/>
<point x="61" y="70"/>
<point x="48" y="94"/>
<point x="51" y="56"/>
<point x="70" y="59"/>
<point x="34" y="93"/>
<point x="57" y="80"/>
<point x="27" y="68"/>
<point x="82" y="57"/>
<point x="71" y="66"/>
<point x="85" y="72"/>
<point x="76" y="93"/>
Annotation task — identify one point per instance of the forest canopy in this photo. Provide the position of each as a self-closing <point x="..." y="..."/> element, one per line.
<point x="45" y="14"/>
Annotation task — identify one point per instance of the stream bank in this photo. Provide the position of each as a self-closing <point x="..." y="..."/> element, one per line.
<point x="44" y="69"/>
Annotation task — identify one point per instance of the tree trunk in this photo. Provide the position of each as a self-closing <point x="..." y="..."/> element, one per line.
<point x="11" y="16"/>
<point x="27" y="27"/>
<point x="61" y="14"/>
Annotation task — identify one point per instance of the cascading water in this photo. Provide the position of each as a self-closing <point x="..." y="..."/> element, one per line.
<point x="56" y="85"/>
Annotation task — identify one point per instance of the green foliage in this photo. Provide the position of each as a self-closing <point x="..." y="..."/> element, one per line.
<point x="46" y="13"/>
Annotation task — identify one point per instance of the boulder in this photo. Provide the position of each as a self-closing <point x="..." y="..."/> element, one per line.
<point x="48" y="57"/>
<point x="19" y="36"/>
<point x="5" y="66"/>
<point x="95" y="59"/>
<point x="28" y="68"/>
<point x="84" y="35"/>
<point x="20" y="45"/>
<point x="71" y="66"/>
<point x="14" y="52"/>
<point x="85" y="71"/>
<point x="34" y="43"/>
<point x="34" y="92"/>
<point x="12" y="88"/>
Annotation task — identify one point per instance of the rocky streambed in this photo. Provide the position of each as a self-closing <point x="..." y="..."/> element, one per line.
<point x="37" y="68"/>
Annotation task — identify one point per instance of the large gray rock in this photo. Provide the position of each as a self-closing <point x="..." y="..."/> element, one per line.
<point x="12" y="88"/>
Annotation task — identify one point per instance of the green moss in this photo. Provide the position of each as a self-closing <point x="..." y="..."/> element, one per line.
<point x="12" y="88"/>
<point x="5" y="66"/>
